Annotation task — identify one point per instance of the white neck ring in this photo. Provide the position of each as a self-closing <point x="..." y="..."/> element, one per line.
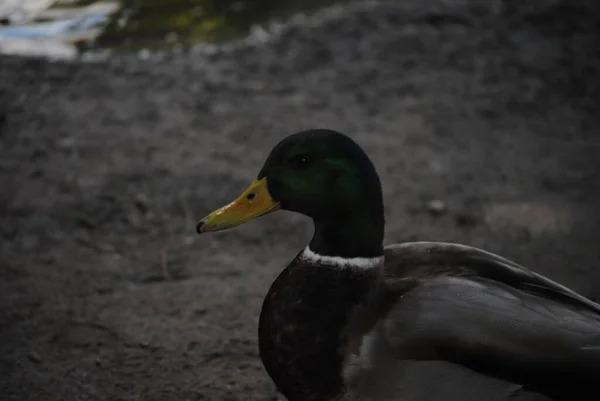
<point x="338" y="261"/>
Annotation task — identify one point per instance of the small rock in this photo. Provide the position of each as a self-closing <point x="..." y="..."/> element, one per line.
<point x="436" y="207"/>
<point x="34" y="357"/>
<point x="141" y="203"/>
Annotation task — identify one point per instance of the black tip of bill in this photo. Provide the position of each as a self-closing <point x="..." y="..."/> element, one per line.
<point x="200" y="225"/>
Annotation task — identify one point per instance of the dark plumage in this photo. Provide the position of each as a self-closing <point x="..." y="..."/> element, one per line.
<point x="309" y="315"/>
<point x="351" y="320"/>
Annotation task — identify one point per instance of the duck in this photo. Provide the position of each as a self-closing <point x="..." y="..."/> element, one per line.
<point x="349" y="319"/>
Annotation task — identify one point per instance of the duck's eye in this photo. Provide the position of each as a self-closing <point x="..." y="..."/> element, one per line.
<point x="302" y="160"/>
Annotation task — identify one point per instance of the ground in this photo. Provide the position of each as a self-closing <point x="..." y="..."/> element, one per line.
<point x="482" y="121"/>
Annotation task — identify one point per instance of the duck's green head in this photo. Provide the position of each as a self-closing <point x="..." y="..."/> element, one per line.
<point x="324" y="175"/>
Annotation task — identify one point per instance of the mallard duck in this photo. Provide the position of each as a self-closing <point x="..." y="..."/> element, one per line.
<point x="346" y="317"/>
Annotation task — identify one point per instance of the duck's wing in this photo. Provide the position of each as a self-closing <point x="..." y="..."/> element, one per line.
<point x="423" y="259"/>
<point x="433" y="381"/>
<point x="479" y="310"/>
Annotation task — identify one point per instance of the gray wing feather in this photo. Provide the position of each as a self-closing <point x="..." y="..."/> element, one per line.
<point x="492" y="318"/>
<point x="478" y="309"/>
<point x="457" y="259"/>
<point x="434" y="381"/>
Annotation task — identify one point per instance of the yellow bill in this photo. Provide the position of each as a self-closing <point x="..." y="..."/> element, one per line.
<point x="252" y="203"/>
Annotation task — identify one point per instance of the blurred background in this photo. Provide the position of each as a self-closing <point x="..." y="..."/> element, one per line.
<point x="123" y="123"/>
<point x="65" y="28"/>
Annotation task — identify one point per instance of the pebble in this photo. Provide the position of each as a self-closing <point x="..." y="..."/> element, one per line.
<point x="436" y="207"/>
<point x="34" y="357"/>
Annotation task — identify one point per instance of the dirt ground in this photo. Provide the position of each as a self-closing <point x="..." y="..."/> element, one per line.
<point x="106" y="291"/>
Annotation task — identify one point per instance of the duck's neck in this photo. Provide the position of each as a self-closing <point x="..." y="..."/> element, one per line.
<point x="356" y="236"/>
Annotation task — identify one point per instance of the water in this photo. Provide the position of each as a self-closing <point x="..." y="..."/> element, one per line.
<point x="65" y="28"/>
<point x="160" y="23"/>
